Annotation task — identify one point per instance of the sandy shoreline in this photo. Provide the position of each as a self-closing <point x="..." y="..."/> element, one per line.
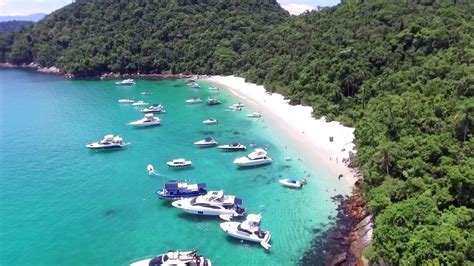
<point x="307" y="134"/>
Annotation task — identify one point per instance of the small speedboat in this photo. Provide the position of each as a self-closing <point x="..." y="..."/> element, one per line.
<point x="125" y="82"/>
<point x="191" y="258"/>
<point x="254" y="115"/>
<point x="178" y="189"/>
<point x="194" y="85"/>
<point x="139" y="103"/>
<point x="238" y="105"/>
<point x="155" y="108"/>
<point x="213" y="88"/>
<point x="179" y="163"/>
<point x="248" y="230"/>
<point x="145" y="93"/>
<point x="213" y="203"/>
<point x="232" y="147"/>
<point x="207" y="142"/>
<point x="213" y="101"/>
<point x="210" y="121"/>
<point x="293" y="182"/>
<point x="108" y="142"/>
<point x="126" y="101"/>
<point x="146" y="121"/>
<point x="233" y="108"/>
<point x="194" y="100"/>
<point x="255" y="158"/>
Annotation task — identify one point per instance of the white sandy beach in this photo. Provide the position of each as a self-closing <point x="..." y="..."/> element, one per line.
<point x="310" y="135"/>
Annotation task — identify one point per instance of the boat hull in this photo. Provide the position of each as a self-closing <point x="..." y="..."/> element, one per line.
<point x="161" y="195"/>
<point x="252" y="163"/>
<point x="287" y="183"/>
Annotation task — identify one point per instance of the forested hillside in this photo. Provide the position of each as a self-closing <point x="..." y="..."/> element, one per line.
<point x="401" y="72"/>
<point x="14" y="25"/>
<point x="90" y="37"/>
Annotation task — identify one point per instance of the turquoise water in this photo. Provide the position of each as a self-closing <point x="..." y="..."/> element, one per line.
<point x="61" y="203"/>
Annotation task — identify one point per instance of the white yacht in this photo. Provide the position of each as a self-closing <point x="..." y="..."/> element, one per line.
<point x="213" y="203"/>
<point x="232" y="147"/>
<point x="238" y="105"/>
<point x="207" y="142"/>
<point x="233" y="108"/>
<point x="146" y="121"/>
<point x="139" y="103"/>
<point x="155" y="108"/>
<point x="213" y="88"/>
<point x="254" y="115"/>
<point x="293" y="182"/>
<point x="257" y="157"/>
<point x="108" y="142"/>
<point x="248" y="230"/>
<point x="194" y="85"/>
<point x="179" y="163"/>
<point x="126" y="82"/>
<point x="126" y="101"/>
<point x="194" y="100"/>
<point x="210" y="121"/>
<point x="191" y="258"/>
<point x="213" y="101"/>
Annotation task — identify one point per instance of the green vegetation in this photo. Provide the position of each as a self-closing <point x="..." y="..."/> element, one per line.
<point x="14" y="25"/>
<point x="401" y="72"/>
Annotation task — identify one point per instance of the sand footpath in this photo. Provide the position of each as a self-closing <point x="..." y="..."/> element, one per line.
<point x="309" y="135"/>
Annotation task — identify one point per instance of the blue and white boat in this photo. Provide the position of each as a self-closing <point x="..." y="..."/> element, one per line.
<point x="178" y="189"/>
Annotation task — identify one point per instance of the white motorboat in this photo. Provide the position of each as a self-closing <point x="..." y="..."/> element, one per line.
<point x="108" y="142"/>
<point x="194" y="85"/>
<point x="146" y="121"/>
<point x="254" y="115"/>
<point x="257" y="157"/>
<point x="207" y="142"/>
<point x="155" y="108"/>
<point x="233" y="108"/>
<point x="213" y="88"/>
<point x="293" y="182"/>
<point x="232" y="147"/>
<point x="126" y="82"/>
<point x="178" y="163"/>
<point x="145" y="93"/>
<point x="213" y="101"/>
<point x="191" y="258"/>
<point x="139" y="103"/>
<point x="213" y="203"/>
<point x="194" y="100"/>
<point x="210" y="121"/>
<point x="248" y="230"/>
<point x="126" y="101"/>
<point x="238" y="105"/>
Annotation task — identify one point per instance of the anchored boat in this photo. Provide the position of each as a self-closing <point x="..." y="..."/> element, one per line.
<point x="178" y="189"/>
<point x="248" y="230"/>
<point x="191" y="258"/>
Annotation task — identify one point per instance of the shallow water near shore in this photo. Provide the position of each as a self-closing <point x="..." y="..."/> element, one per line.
<point x="61" y="203"/>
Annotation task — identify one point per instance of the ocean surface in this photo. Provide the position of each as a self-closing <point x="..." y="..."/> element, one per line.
<point x="61" y="203"/>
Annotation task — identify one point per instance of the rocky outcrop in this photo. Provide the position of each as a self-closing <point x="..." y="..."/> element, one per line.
<point x="348" y="237"/>
<point x="37" y="67"/>
<point x="361" y="237"/>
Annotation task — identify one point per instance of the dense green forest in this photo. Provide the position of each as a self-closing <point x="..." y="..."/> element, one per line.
<point x="399" y="71"/>
<point x="14" y="25"/>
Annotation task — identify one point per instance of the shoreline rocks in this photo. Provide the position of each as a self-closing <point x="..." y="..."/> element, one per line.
<point x="105" y="76"/>
<point x="347" y="237"/>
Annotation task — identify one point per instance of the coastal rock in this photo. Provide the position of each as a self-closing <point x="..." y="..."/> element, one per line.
<point x="361" y="236"/>
<point x="338" y="259"/>
<point x="7" y="65"/>
<point x="50" y="70"/>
